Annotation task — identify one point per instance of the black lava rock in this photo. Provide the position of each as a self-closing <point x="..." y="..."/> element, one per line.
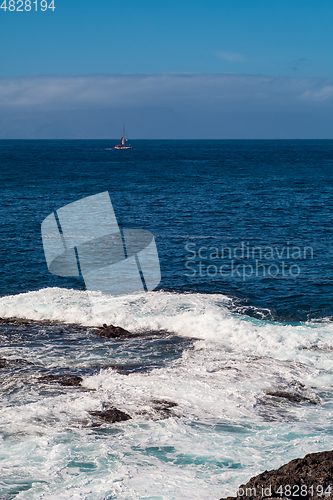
<point x="113" y="332"/>
<point x="67" y="380"/>
<point x="13" y="363"/>
<point x="308" y="478"/>
<point x="111" y="415"/>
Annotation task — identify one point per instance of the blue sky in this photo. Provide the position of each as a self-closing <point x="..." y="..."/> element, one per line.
<point x="287" y="41"/>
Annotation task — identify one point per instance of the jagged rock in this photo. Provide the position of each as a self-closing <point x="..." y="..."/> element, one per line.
<point x="113" y="332"/>
<point x="305" y="478"/>
<point x="13" y="363"/>
<point x="68" y="380"/>
<point x="163" y="404"/>
<point x="111" y="415"/>
<point x="293" y="397"/>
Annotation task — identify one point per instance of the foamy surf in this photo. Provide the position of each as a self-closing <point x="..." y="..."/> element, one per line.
<point x="247" y="395"/>
<point x="194" y="315"/>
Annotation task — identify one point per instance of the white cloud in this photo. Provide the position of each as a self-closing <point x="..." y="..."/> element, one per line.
<point x="172" y="88"/>
<point x="166" y="105"/>
<point x="323" y="93"/>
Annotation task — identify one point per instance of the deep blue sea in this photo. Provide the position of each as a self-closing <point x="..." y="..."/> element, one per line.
<point x="237" y="338"/>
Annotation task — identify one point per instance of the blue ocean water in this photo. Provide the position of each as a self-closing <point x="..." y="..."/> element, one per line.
<point x="244" y="236"/>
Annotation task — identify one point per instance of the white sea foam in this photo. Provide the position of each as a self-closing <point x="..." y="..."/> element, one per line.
<point x="224" y="429"/>
<point x="194" y="315"/>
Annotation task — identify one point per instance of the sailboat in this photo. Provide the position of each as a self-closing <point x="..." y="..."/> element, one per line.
<point x="124" y="142"/>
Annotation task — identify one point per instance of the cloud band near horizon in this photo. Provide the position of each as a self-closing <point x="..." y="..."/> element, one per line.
<point x="176" y="105"/>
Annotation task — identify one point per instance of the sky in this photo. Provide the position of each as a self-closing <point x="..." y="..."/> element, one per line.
<point x="173" y="69"/>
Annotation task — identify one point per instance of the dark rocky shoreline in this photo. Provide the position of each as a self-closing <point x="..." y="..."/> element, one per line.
<point x="308" y="478"/>
<point x="105" y="331"/>
<point x="72" y="378"/>
<point x="109" y="331"/>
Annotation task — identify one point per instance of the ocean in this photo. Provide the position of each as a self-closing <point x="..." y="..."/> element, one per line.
<point x="231" y="371"/>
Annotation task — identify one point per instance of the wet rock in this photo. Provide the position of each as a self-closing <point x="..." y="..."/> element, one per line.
<point x="13" y="363"/>
<point x="163" y="404"/>
<point x="111" y="415"/>
<point x="291" y="396"/>
<point x="15" y="321"/>
<point x="67" y="380"/>
<point x="308" y="478"/>
<point x="113" y="332"/>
